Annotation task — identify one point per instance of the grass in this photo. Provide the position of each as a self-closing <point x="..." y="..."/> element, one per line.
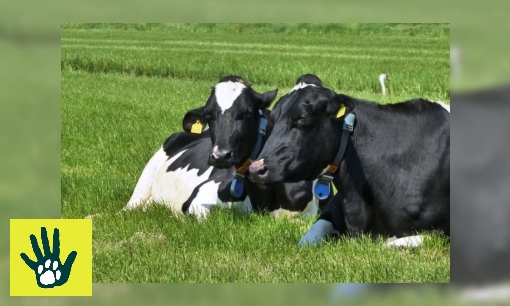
<point x="126" y="88"/>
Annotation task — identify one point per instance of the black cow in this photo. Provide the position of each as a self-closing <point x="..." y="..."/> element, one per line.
<point x="193" y="170"/>
<point x="393" y="178"/>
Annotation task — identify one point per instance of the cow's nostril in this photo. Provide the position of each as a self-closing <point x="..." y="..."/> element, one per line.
<point x="223" y="154"/>
<point x="262" y="170"/>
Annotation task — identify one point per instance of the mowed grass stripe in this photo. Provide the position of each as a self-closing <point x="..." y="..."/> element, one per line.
<point x="250" y="46"/>
<point x="368" y="44"/>
<point x="410" y="79"/>
<point x="253" y="52"/>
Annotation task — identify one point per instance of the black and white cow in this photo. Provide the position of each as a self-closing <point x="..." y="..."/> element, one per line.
<point x="193" y="170"/>
<point x="394" y="177"/>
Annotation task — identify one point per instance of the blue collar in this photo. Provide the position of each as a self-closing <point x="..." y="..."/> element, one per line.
<point x="322" y="188"/>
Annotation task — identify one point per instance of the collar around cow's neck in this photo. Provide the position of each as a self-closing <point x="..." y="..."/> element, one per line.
<point x="237" y="185"/>
<point x="322" y="189"/>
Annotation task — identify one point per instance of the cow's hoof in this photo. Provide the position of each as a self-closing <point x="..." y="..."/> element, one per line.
<point x="309" y="241"/>
<point x="405" y="242"/>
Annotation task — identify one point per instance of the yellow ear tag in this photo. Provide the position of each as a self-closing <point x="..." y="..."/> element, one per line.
<point x="341" y="112"/>
<point x="196" y="128"/>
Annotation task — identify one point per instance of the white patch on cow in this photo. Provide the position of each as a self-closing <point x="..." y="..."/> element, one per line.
<point x="173" y="188"/>
<point x="310" y="210"/>
<point x="300" y="86"/>
<point x="444" y="105"/>
<point x="405" y="242"/>
<point x="206" y="197"/>
<point x="143" y="188"/>
<point x="317" y="233"/>
<point x="226" y="93"/>
<point x="243" y="206"/>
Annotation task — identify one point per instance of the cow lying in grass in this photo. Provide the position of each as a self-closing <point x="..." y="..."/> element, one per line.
<point x="391" y="165"/>
<point x="193" y="170"/>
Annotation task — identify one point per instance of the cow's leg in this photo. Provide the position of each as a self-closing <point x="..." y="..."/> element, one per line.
<point x="405" y="242"/>
<point x="317" y="233"/>
<point x="143" y="188"/>
<point x="296" y="201"/>
<point x="242" y="206"/>
<point x="205" y="197"/>
<point x="330" y="222"/>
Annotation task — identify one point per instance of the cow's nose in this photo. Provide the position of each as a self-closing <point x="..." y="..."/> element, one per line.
<point x="221" y="154"/>
<point x="258" y="170"/>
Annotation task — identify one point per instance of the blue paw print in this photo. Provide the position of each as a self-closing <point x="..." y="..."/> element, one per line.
<point x="49" y="271"/>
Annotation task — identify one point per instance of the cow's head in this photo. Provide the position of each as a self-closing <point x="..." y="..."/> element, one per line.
<point x="305" y="136"/>
<point x="232" y="114"/>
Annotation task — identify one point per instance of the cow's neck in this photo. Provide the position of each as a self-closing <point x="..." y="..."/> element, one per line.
<point x="351" y="173"/>
<point x="237" y="185"/>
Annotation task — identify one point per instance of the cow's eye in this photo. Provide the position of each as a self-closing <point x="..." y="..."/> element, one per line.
<point x="301" y="118"/>
<point x="245" y="115"/>
<point x="303" y="121"/>
<point x="209" y="117"/>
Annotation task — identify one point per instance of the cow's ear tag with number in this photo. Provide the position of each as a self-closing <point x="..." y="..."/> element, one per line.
<point x="341" y="112"/>
<point x="197" y="127"/>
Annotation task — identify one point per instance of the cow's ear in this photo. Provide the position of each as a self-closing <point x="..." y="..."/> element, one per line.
<point x="339" y="106"/>
<point x="266" y="98"/>
<point x="194" y="121"/>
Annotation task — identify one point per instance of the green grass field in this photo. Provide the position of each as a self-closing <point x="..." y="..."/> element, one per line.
<point x="126" y="88"/>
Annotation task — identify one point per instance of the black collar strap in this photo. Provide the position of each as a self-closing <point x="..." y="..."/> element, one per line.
<point x="237" y="187"/>
<point x="322" y="187"/>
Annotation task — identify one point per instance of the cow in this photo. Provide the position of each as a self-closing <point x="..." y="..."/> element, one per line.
<point x="198" y="169"/>
<point x="390" y="163"/>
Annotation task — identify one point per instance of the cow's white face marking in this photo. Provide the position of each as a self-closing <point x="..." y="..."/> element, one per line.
<point x="226" y="93"/>
<point x="317" y="233"/>
<point x="444" y="105"/>
<point x="300" y="86"/>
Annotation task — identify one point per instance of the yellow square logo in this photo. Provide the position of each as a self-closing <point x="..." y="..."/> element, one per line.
<point x="51" y="257"/>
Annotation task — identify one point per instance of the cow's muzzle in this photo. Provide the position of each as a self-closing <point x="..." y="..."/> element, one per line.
<point x="259" y="171"/>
